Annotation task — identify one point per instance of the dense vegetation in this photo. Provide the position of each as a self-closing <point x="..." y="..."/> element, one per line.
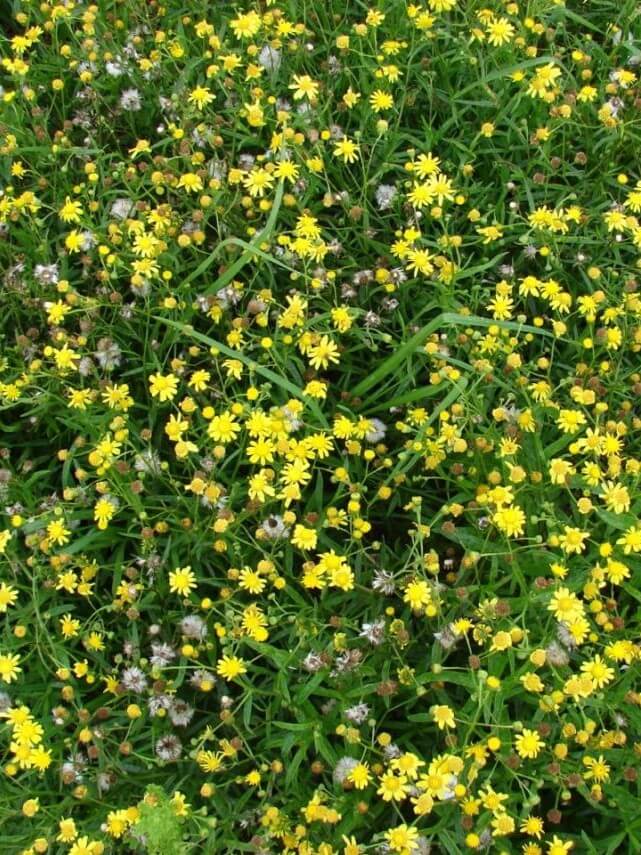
<point x="320" y="458"/>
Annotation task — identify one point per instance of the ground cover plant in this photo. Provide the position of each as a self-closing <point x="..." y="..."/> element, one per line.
<point x="319" y="468"/>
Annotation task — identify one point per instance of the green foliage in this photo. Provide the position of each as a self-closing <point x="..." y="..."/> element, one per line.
<point x="320" y="469"/>
<point x="158" y="827"/>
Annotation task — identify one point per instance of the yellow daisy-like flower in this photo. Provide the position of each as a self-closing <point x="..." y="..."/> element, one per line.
<point x="163" y="387"/>
<point x="304" y="87"/>
<point x="323" y="353"/>
<point x="5" y="537"/>
<point x="347" y="149"/>
<point x="528" y="744"/>
<point x="443" y="716"/>
<point x="8" y="596"/>
<point x="381" y="100"/>
<point x="9" y="667"/>
<point x="71" y="211"/>
<point x="182" y="581"/>
<point x="201" y="96"/>
<point x="360" y="776"/>
<point x="392" y="787"/>
<point x="230" y="667"/>
<point x="402" y="839"/>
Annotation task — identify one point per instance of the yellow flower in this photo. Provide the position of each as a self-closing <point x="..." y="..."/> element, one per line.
<point x="200" y="96"/>
<point x="510" y="520"/>
<point x="392" y="787"/>
<point x="74" y="241"/>
<point x="351" y="846"/>
<point x="420" y="261"/>
<point x="246" y="26"/>
<point x="324" y="352"/>
<point x="209" y="761"/>
<point x="40" y="758"/>
<point x="342" y="577"/>
<point x="304" y="538"/>
<point x="374" y="18"/>
<point x="191" y="182"/>
<point x="597" y="769"/>
<point x="261" y="451"/>
<point x="532" y="682"/>
<point x="117" y="823"/>
<point x="69" y="626"/>
<point x="316" y="389"/>
<point x="57" y="532"/>
<point x="199" y="380"/>
<point x="565" y="605"/>
<point x="351" y="98"/>
<point x="70" y="211"/>
<point x="630" y="540"/>
<point x="254" y="623"/>
<point x="79" y="398"/>
<point x="250" y="580"/>
<point x="82" y="846"/>
<point x="528" y="744"/>
<point x="230" y="667"/>
<point x="572" y="541"/>
<point x="182" y="581"/>
<point x="163" y="387"/>
<point x="9" y="667"/>
<point x="5" y="537"/>
<point x="408" y="764"/>
<point x="402" y="839"/>
<point x="443" y="716"/>
<point x="499" y="31"/>
<point x="287" y="170"/>
<point x="223" y="428"/>
<point x="30" y="807"/>
<point x="258" y="181"/>
<point x="417" y="594"/>
<point x="571" y="421"/>
<point x="532" y="826"/>
<point x="347" y="149"/>
<point x="360" y="776"/>
<point x="381" y="100"/>
<point x="67" y="832"/>
<point x="8" y="596"/>
<point x="501" y="641"/>
<point x="103" y="512"/>
<point x="304" y="87"/>
<point x="490" y="233"/>
<point x="141" y="147"/>
<point x="560" y="470"/>
<point x="503" y="824"/>
<point x="558" y="847"/>
<point x="597" y="670"/>
<point x="616" y="497"/>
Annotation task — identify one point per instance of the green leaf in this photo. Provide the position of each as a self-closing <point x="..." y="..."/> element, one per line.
<point x="251" y="249"/>
<point x="443" y="320"/>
